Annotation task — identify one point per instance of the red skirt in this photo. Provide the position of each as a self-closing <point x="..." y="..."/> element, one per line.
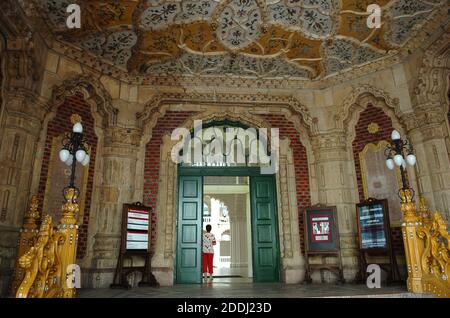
<point x="208" y="262"/>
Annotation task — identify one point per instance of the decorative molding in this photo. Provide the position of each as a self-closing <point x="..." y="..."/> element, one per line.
<point x="359" y="98"/>
<point x="118" y="136"/>
<point x="91" y="88"/>
<point x="285" y="197"/>
<point x="41" y="22"/>
<point x="426" y="116"/>
<point x="373" y="128"/>
<point x="433" y="78"/>
<point x="328" y="141"/>
<point x="357" y="101"/>
<point x="154" y="108"/>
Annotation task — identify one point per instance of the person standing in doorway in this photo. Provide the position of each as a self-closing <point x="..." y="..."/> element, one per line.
<point x="209" y="241"/>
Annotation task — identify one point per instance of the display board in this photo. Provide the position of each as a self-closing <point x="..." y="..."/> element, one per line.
<point x="373" y="225"/>
<point x="321" y="231"/>
<point x="374" y="233"/>
<point x="322" y="239"/>
<point x="135" y="242"/>
<point x="137" y="227"/>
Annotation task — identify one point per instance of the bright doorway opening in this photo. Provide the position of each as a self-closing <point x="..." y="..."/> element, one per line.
<point x="226" y="207"/>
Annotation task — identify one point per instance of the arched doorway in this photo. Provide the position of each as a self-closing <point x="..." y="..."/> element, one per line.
<point x="264" y="251"/>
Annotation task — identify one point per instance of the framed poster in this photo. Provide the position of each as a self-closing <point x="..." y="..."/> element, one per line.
<point x="135" y="241"/>
<point x="322" y="239"/>
<point x="373" y="225"/>
<point x="375" y="237"/>
<point x="321" y="229"/>
<point x="136" y="227"/>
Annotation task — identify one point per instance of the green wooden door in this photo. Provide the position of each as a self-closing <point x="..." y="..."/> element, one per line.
<point x="189" y="229"/>
<point x="264" y="229"/>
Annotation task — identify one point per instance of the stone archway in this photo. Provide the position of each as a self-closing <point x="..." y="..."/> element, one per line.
<point x="288" y="216"/>
<point x="85" y="96"/>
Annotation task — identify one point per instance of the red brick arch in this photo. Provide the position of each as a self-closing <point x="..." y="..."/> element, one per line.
<point x="373" y="114"/>
<point x="60" y="124"/>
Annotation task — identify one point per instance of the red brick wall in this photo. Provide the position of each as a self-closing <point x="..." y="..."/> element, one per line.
<point x="165" y="125"/>
<point x="173" y="120"/>
<point x="61" y="124"/>
<point x="363" y="137"/>
<point x="287" y="129"/>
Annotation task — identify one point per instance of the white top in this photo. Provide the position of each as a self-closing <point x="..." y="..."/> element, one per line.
<point x="208" y="241"/>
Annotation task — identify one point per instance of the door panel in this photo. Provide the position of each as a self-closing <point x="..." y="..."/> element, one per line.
<point x="264" y="229"/>
<point x="189" y="229"/>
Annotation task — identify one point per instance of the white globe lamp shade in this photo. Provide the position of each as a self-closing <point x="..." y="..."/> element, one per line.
<point x="69" y="161"/>
<point x="80" y="155"/>
<point x="398" y="159"/>
<point x="411" y="159"/>
<point x="64" y="155"/>
<point x="85" y="162"/>
<point x="78" y="128"/>
<point x="390" y="164"/>
<point x="395" y="135"/>
<point x="404" y="164"/>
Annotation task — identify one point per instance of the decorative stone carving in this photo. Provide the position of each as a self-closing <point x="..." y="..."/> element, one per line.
<point x="286" y="197"/>
<point x="431" y="85"/>
<point x="428" y="118"/>
<point x="122" y="136"/>
<point x="359" y="98"/>
<point x="373" y="128"/>
<point x="154" y="109"/>
<point x="92" y="89"/>
<point x="303" y="23"/>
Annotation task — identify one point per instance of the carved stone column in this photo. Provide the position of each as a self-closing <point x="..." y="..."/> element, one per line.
<point x="293" y="265"/>
<point x="20" y="125"/>
<point x="118" y="171"/>
<point x="335" y="179"/>
<point x="427" y="131"/>
<point x="238" y="229"/>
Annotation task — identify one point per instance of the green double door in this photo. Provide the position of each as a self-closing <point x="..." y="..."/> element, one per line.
<point x="265" y="246"/>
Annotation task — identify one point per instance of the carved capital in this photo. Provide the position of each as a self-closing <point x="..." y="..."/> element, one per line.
<point x="25" y="110"/>
<point x="93" y="90"/>
<point x="115" y="136"/>
<point x="426" y="116"/>
<point x="327" y="141"/>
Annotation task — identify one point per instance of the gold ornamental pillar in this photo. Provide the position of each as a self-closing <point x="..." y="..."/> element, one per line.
<point x="413" y="245"/>
<point x="69" y="229"/>
<point x="27" y="236"/>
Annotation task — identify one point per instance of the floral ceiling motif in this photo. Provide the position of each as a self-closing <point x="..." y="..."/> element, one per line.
<point x="301" y="39"/>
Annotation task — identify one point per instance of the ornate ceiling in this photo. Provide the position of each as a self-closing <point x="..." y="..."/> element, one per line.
<point x="300" y="39"/>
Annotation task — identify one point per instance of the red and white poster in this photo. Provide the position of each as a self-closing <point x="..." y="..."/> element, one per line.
<point x="321" y="228"/>
<point x="137" y="229"/>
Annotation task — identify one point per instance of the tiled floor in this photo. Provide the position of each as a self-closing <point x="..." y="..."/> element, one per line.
<point x="224" y="289"/>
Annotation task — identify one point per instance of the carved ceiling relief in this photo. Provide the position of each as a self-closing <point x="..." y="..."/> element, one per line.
<point x="299" y="39"/>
